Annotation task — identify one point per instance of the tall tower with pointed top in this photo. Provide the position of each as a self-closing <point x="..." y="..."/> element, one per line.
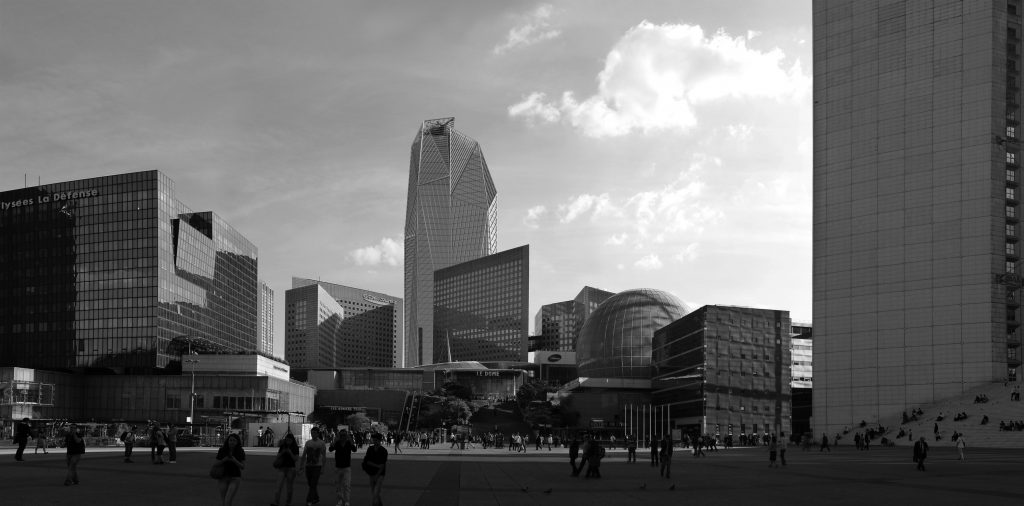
<point x="451" y="217"/>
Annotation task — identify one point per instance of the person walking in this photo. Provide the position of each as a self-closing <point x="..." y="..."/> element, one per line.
<point x="666" y="456"/>
<point x="40" y="434"/>
<point x="654" y="451"/>
<point x="159" y="438"/>
<point x="824" y="444"/>
<point x="630" y="448"/>
<point x="595" y="453"/>
<point x="960" y="445"/>
<point x="574" y="453"/>
<point x="398" y="442"/>
<point x="21" y="433"/>
<point x="343" y="449"/>
<point x="287" y="457"/>
<point x="75" y="445"/>
<point x="129" y="444"/>
<point x="773" y="451"/>
<point x="375" y="464"/>
<point x="783" y="443"/>
<point x="233" y="457"/>
<point x="172" y="443"/>
<point x="314" y="453"/>
<point x="920" y="453"/>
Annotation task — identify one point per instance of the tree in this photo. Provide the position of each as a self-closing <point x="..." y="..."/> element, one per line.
<point x="358" y="422"/>
<point x="453" y="389"/>
<point x="533" y="390"/>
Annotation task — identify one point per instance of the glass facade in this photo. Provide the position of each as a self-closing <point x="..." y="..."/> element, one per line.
<point x="313" y="329"/>
<point x="105" y="272"/>
<point x="372" y="327"/>
<point x="558" y="325"/>
<point x="451" y="218"/>
<point x="480" y="308"/>
<point x="725" y="370"/>
<point x="616" y="339"/>
<point x="265" y="326"/>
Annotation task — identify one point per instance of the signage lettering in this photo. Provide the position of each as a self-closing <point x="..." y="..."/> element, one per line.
<point x="377" y="300"/>
<point x="488" y="373"/>
<point x="43" y="199"/>
<point x="554" y="358"/>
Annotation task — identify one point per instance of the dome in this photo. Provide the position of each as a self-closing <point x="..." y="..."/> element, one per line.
<point x="616" y="339"/>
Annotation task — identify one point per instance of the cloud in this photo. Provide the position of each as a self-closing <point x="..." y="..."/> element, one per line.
<point x="617" y="239"/>
<point x="534" y="108"/>
<point x="534" y="214"/>
<point x="650" y="262"/>
<point x="688" y="254"/>
<point x="656" y="77"/>
<point x="533" y="27"/>
<point x="600" y="205"/>
<point x="388" y="252"/>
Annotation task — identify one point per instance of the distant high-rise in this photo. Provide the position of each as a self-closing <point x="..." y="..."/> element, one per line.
<point x="558" y="325"/>
<point x="481" y="308"/>
<point x="372" y="329"/>
<point x="916" y="206"/>
<point x="451" y="218"/>
<point x="312" y="329"/>
<point x="265" y="319"/>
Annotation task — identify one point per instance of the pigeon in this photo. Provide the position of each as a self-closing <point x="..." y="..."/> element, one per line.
<point x="525" y="489"/>
<point x="548" y="491"/>
<point x="673" y="487"/>
<point x="643" y="486"/>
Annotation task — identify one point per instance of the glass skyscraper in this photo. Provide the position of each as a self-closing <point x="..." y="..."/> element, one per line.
<point x="558" y="325"/>
<point x="103" y="273"/>
<point x="481" y="308"/>
<point x="451" y="218"/>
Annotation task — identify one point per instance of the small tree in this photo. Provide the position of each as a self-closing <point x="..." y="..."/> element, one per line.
<point x="358" y="422"/>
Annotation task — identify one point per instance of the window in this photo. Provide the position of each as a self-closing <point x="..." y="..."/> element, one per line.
<point x="1010" y="231"/>
<point x="1011" y="132"/>
<point x="1011" y="176"/>
<point x="1011" y="193"/>
<point x="1011" y="212"/>
<point x="1011" y="248"/>
<point x="1011" y="267"/>
<point x="173" y="402"/>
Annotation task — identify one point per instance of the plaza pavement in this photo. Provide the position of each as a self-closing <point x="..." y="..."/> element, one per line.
<point x="445" y="477"/>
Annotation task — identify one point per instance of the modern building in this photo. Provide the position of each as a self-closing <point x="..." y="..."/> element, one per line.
<point x="265" y="321"/>
<point x="313" y="336"/>
<point x="372" y="329"/>
<point x="451" y="218"/>
<point x="916" y="204"/>
<point x="230" y="389"/>
<point x="802" y="355"/>
<point x="481" y="308"/>
<point x="105" y="274"/>
<point x="725" y="370"/>
<point x="558" y="325"/>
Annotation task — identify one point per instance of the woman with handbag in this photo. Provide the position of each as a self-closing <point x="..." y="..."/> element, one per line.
<point x="287" y="456"/>
<point x="231" y="457"/>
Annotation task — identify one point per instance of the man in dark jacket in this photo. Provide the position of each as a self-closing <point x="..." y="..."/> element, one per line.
<point x="920" y="453"/>
<point x="343" y="449"/>
<point x="21" y="434"/>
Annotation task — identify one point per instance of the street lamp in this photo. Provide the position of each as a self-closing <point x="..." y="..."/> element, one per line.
<point x="192" y="395"/>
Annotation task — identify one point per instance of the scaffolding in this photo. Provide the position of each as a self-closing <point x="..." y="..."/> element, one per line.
<point x="26" y="393"/>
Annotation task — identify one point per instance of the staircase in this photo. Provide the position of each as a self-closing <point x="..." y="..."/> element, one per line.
<point x="998" y="408"/>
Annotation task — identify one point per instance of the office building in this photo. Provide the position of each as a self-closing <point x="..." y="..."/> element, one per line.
<point x="265" y="319"/>
<point x="558" y="325"/>
<point x="725" y="370"/>
<point x="312" y="329"/>
<point x="451" y="218"/>
<point x="481" y="308"/>
<point x="916" y="204"/>
<point x="373" y="326"/>
<point x="802" y="383"/>
<point x="104" y="274"/>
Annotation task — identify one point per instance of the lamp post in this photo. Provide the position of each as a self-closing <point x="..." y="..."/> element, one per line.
<point x="192" y="395"/>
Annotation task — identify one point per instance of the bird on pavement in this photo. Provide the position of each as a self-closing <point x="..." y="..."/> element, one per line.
<point x="548" y="491"/>
<point x="525" y="489"/>
<point x="643" y="486"/>
<point x="673" y="487"/>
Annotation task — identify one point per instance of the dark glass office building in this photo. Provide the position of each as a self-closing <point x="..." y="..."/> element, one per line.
<point x="725" y="370"/>
<point x="104" y="273"/>
<point x="481" y="308"/>
<point x="558" y="325"/>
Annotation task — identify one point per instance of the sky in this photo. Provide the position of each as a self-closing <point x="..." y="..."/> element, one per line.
<point x="633" y="144"/>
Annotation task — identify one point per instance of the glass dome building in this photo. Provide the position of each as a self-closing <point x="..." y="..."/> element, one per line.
<point x="616" y="339"/>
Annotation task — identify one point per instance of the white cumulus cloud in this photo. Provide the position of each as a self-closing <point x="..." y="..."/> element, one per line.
<point x="688" y="254"/>
<point x="533" y="215"/>
<point x="650" y="262"/>
<point x="617" y="239"/>
<point x="388" y="252"/>
<point x="658" y="75"/>
<point x="600" y="205"/>
<point x="533" y="27"/>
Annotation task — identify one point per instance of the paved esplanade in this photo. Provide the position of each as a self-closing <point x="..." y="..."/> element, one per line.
<point x="497" y="477"/>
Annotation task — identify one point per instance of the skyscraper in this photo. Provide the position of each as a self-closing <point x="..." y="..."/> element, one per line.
<point x="451" y="218"/>
<point x="112" y="272"/>
<point x="558" y="325"/>
<point x="916" y="149"/>
<point x="265" y="319"/>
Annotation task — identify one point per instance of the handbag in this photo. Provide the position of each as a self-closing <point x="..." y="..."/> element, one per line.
<point x="217" y="471"/>
<point x="281" y="459"/>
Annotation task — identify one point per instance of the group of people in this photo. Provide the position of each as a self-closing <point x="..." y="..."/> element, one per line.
<point x="159" y="440"/>
<point x="74" y="442"/>
<point x="1011" y="425"/>
<point x="312" y="461"/>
